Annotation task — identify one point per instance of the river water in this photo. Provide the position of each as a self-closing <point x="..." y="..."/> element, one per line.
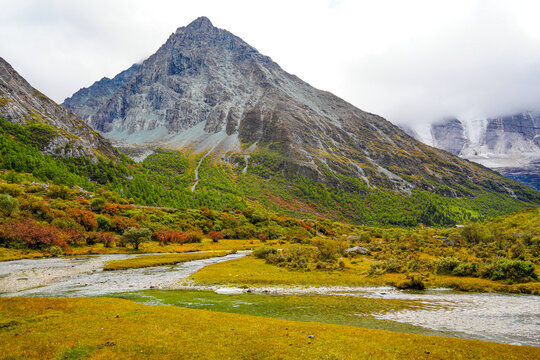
<point x="512" y="319"/>
<point x="83" y="276"/>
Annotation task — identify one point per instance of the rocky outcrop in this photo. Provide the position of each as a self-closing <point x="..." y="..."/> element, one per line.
<point x="20" y="103"/>
<point x="448" y="135"/>
<point x="205" y="88"/>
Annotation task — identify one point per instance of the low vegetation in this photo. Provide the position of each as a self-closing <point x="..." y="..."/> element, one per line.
<point x="164" y="179"/>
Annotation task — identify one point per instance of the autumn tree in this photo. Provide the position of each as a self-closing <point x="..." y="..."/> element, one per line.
<point x="136" y="236"/>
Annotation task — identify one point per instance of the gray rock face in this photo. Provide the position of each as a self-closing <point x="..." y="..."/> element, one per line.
<point x="20" y="103"/>
<point x="88" y="101"/>
<point x="208" y="90"/>
<point x="502" y="133"/>
<point x="448" y="135"/>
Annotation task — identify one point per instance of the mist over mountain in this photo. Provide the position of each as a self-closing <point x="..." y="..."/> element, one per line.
<point x="509" y="144"/>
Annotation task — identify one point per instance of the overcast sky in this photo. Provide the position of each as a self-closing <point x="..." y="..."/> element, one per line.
<point x="410" y="61"/>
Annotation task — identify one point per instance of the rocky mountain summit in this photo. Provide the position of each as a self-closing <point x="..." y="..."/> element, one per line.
<point x="508" y="144"/>
<point x="207" y="90"/>
<point x="67" y="135"/>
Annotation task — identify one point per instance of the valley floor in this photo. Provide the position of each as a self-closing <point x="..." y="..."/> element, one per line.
<point x="104" y="328"/>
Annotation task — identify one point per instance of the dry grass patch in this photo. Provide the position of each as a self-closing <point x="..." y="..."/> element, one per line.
<point x="250" y="271"/>
<point x="147" y="247"/>
<point x="161" y="260"/>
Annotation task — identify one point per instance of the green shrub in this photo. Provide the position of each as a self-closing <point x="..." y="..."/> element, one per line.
<point x="136" y="236"/>
<point x="384" y="266"/>
<point x="104" y="222"/>
<point x="98" y="204"/>
<point x="59" y="192"/>
<point x="514" y="271"/>
<point x="446" y="266"/>
<point x="8" y="204"/>
<point x="67" y="223"/>
<point x="476" y="233"/>
<point x="263" y="252"/>
<point x="413" y="282"/>
<point x="466" y="269"/>
<point x="329" y="249"/>
<point x="10" y="189"/>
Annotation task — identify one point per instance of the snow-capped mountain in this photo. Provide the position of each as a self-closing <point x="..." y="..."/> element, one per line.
<point x="506" y="143"/>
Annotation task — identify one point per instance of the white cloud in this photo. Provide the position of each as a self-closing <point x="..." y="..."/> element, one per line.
<point x="411" y="61"/>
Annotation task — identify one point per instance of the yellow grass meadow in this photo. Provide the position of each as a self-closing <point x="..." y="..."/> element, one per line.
<point x="105" y="328"/>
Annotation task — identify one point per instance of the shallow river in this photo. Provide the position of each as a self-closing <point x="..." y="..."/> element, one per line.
<point x="513" y="319"/>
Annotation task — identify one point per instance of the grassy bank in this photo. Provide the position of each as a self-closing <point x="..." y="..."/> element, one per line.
<point x="161" y="260"/>
<point x="250" y="271"/>
<point x="148" y="247"/>
<point x="113" y="328"/>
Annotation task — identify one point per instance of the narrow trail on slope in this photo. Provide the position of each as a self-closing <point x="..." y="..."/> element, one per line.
<point x="198" y="165"/>
<point x="246" y="159"/>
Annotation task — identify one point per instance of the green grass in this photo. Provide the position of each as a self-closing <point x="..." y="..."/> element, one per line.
<point x="330" y="309"/>
<point x="106" y="328"/>
<point x="161" y="260"/>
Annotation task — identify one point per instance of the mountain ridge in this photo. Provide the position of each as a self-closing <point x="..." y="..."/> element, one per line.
<point x="63" y="133"/>
<point x="206" y="89"/>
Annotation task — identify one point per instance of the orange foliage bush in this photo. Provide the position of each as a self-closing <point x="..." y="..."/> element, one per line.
<point x="164" y="237"/>
<point x="120" y="223"/>
<point x="113" y="209"/>
<point x="85" y="218"/>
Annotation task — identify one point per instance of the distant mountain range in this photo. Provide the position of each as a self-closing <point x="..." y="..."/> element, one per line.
<point x="508" y="144"/>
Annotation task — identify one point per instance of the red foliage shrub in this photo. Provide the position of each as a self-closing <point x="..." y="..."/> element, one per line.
<point x="120" y="223"/>
<point x="106" y="238"/>
<point x="85" y="218"/>
<point x="176" y="237"/>
<point x="34" y="235"/>
<point x="262" y="236"/>
<point x="192" y="237"/>
<point x="164" y="237"/>
<point x="216" y="235"/>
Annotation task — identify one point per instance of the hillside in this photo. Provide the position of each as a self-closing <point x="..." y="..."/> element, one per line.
<point x="60" y="132"/>
<point x="206" y="90"/>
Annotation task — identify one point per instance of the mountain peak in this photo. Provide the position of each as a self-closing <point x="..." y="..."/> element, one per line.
<point x="201" y="23"/>
<point x="207" y="90"/>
